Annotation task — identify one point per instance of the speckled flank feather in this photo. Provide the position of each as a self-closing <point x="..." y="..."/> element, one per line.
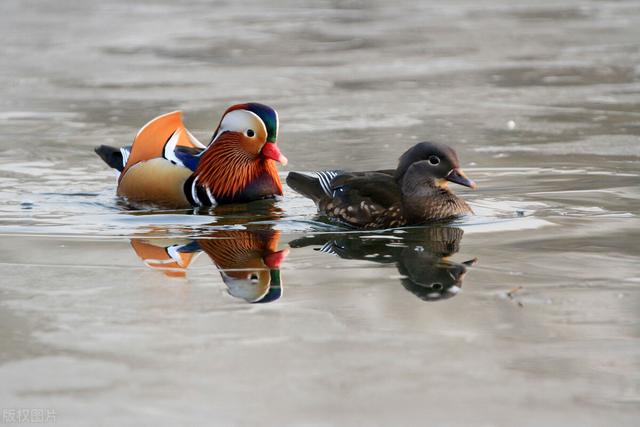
<point x="369" y="207"/>
<point x="366" y="214"/>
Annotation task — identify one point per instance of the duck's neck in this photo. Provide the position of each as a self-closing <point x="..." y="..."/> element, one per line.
<point x="429" y="199"/>
<point x="227" y="170"/>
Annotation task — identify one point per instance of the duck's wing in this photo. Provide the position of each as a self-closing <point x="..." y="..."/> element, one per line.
<point x="364" y="200"/>
<point x="159" y="139"/>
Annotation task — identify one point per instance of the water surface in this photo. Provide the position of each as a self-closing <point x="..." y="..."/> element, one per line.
<point x="526" y="313"/>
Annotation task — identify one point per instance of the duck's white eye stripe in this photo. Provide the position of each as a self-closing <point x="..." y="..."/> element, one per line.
<point x="241" y="121"/>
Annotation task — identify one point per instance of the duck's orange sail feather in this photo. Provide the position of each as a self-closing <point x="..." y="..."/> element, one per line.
<point x="150" y="141"/>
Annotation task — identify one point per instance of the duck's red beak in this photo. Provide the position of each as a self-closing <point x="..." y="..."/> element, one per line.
<point x="274" y="259"/>
<point x="271" y="151"/>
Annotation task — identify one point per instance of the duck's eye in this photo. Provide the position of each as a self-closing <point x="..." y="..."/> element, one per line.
<point x="434" y="160"/>
<point x="250" y="133"/>
<point x="437" y="286"/>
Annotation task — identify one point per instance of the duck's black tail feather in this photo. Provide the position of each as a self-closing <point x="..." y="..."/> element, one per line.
<point x="111" y="156"/>
<point x="307" y="185"/>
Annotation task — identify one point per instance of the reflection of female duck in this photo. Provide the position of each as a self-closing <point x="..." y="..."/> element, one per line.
<point x="248" y="260"/>
<point x="421" y="257"/>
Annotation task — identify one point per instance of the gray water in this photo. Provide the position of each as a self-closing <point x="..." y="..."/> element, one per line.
<point x="524" y="314"/>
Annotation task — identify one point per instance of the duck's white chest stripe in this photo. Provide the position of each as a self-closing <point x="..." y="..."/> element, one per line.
<point x="194" y="193"/>
<point x="212" y="200"/>
<point x="198" y="195"/>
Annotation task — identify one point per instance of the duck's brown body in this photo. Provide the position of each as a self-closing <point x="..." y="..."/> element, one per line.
<point x="412" y="194"/>
<point x="374" y="200"/>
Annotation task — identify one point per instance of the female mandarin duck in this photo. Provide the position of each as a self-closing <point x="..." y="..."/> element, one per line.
<point x="168" y="166"/>
<point x="416" y="192"/>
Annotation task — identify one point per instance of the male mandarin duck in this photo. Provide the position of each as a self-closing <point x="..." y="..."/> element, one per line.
<point x="416" y="192"/>
<point x="168" y="166"/>
<point x="248" y="260"/>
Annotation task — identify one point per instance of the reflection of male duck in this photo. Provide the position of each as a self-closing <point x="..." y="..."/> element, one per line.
<point x="421" y="257"/>
<point x="248" y="260"/>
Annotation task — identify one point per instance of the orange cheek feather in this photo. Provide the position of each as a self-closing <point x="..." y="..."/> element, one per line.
<point x="227" y="168"/>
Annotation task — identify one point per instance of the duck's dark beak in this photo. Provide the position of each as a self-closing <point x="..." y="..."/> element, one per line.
<point x="456" y="175"/>
<point x="271" y="151"/>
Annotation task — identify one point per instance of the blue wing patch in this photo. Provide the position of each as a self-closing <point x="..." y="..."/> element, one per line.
<point x="189" y="158"/>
